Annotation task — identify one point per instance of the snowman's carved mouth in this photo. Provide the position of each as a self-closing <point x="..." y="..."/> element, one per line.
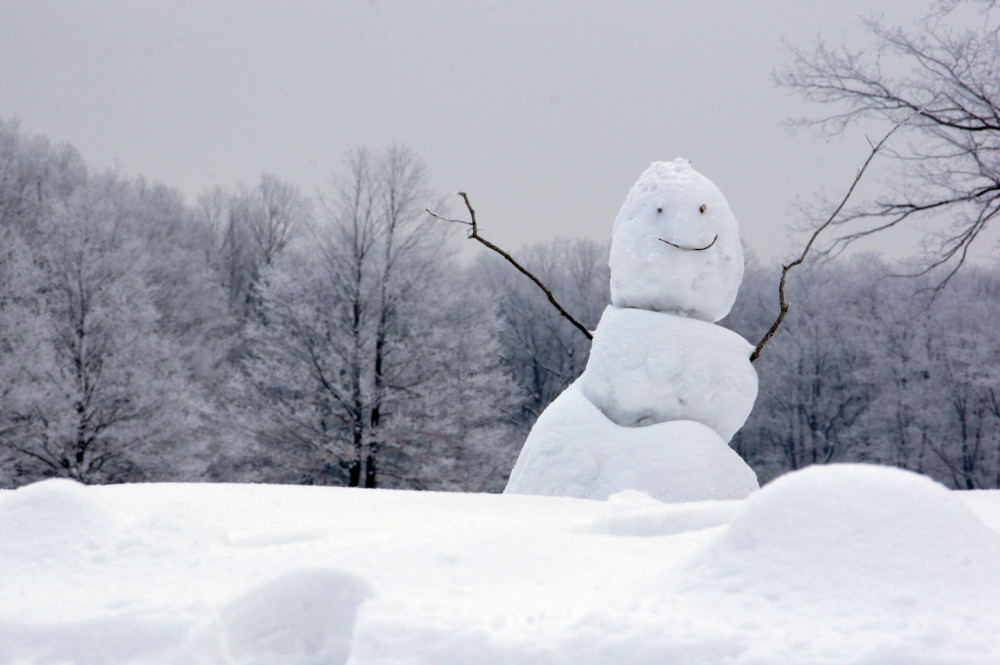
<point x="691" y="249"/>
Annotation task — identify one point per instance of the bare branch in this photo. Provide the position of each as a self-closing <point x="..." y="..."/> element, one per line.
<point x="782" y="301"/>
<point x="946" y="72"/>
<point x="474" y="235"/>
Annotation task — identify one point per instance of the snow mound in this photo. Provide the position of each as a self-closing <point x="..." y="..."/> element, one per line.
<point x="827" y="524"/>
<point x="51" y="517"/>
<point x="575" y="450"/>
<point x="301" y="618"/>
<point x="852" y="564"/>
<point x="649" y="367"/>
<point x="675" y="245"/>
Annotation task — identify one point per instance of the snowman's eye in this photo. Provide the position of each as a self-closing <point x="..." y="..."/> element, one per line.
<point x="703" y="208"/>
<point x="659" y="210"/>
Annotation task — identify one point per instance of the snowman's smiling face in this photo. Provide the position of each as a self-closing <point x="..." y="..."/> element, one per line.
<point x="675" y="246"/>
<point x="702" y="208"/>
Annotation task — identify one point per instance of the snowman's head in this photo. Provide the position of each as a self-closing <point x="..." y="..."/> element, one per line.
<point x="675" y="246"/>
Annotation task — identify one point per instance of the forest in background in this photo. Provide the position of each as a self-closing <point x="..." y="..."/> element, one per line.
<point x="264" y="335"/>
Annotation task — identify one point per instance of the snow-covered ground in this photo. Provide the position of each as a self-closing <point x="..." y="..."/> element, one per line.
<point x="846" y="564"/>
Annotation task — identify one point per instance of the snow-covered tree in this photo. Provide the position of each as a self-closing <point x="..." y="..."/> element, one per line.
<point x="964" y="368"/>
<point x="112" y="394"/>
<point x="819" y="376"/>
<point x="367" y="357"/>
<point x="871" y="370"/>
<point x="27" y="354"/>
<point x="34" y="176"/>
<point x="249" y="230"/>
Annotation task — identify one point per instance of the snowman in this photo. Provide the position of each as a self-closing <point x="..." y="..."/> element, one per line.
<point x="665" y="388"/>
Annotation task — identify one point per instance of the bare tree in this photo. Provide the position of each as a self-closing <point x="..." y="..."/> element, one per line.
<point x="866" y="373"/>
<point x="944" y="74"/>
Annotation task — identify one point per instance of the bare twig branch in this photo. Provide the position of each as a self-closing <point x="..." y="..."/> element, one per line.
<point x="945" y="72"/>
<point x="782" y="301"/>
<point x="474" y="235"/>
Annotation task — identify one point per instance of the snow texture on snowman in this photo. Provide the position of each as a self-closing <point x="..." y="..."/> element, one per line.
<point x="665" y="388"/>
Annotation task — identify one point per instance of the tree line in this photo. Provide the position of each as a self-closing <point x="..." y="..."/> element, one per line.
<point x="873" y="368"/>
<point x="263" y="335"/>
<point x="260" y="335"/>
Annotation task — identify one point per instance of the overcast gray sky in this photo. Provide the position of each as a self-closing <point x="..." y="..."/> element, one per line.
<point x="544" y="112"/>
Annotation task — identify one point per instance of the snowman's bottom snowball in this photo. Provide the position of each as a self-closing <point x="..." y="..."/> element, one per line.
<point x="574" y="450"/>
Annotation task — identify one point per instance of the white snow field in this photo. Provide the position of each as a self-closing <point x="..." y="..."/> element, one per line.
<point x="839" y="564"/>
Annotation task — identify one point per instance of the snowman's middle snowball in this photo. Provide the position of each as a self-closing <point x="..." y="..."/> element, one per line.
<point x="649" y="367"/>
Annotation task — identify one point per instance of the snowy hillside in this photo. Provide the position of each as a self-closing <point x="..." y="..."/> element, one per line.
<point x="844" y="564"/>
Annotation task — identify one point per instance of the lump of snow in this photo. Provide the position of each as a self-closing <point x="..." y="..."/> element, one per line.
<point x="575" y="450"/>
<point x="676" y="245"/>
<point x="878" y="526"/>
<point x="302" y="617"/>
<point x="853" y="563"/>
<point x="52" y="518"/>
<point x="648" y="367"/>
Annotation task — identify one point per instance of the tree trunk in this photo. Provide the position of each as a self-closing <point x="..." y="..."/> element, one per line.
<point x="370" y="469"/>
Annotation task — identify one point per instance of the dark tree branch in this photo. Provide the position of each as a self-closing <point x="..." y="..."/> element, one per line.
<point x="782" y="301"/>
<point x="474" y="235"/>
